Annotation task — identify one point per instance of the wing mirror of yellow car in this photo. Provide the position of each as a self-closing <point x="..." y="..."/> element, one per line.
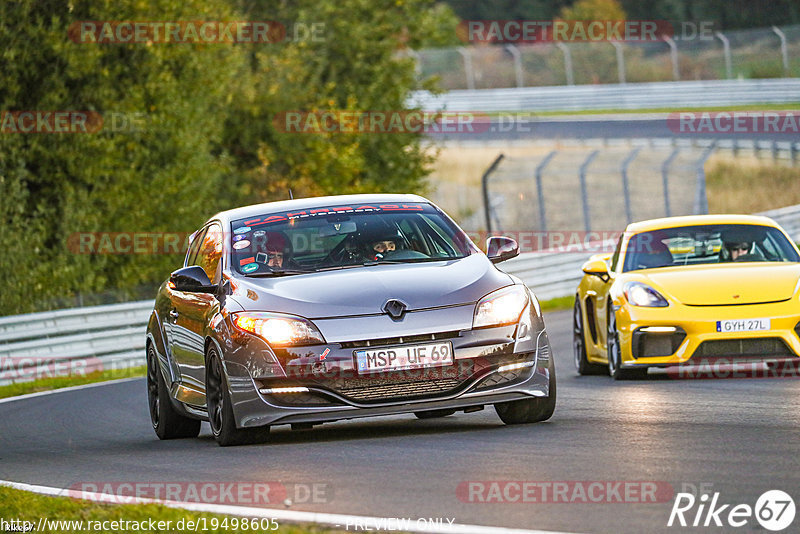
<point x="597" y="267"/>
<point x="501" y="248"/>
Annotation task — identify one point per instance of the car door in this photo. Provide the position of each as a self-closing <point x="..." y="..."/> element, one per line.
<point x="191" y="311"/>
<point x="170" y="313"/>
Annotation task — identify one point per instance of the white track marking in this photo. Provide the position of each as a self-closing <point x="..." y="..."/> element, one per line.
<point x="339" y="521"/>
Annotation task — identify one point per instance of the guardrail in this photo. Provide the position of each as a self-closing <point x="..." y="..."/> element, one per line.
<point x="73" y="341"/>
<point x="675" y="95"/>
<point x="81" y="340"/>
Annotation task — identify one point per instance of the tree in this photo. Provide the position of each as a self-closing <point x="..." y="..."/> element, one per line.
<point x="161" y="176"/>
<point x="360" y="63"/>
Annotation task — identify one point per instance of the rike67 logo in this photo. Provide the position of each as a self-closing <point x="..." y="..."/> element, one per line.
<point x="774" y="510"/>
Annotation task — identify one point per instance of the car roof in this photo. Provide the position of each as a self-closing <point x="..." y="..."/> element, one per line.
<point x="694" y="220"/>
<point x="313" y="202"/>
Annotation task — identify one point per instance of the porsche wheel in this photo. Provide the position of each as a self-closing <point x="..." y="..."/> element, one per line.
<point x="167" y="422"/>
<point x="530" y="410"/>
<point x="582" y="363"/>
<point x="614" y="352"/>
<point x="220" y="410"/>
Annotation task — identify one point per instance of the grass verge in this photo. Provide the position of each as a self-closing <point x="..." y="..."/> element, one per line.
<point x="557" y="304"/>
<point x="46" y="384"/>
<point x="74" y="515"/>
<point x="747" y="186"/>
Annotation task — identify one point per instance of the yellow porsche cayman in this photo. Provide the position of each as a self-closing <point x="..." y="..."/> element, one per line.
<point x="693" y="288"/>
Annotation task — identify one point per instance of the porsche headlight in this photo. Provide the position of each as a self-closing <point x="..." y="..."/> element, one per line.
<point x="640" y="294"/>
<point x="278" y="329"/>
<point x="501" y="307"/>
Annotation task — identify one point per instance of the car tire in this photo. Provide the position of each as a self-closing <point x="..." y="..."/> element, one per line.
<point x="614" y="352"/>
<point x="220" y="408"/>
<point x="530" y="410"/>
<point x="433" y="414"/>
<point x="167" y="422"/>
<point x="582" y="363"/>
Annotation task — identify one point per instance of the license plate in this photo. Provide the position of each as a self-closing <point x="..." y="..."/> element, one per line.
<point x="404" y="357"/>
<point x="743" y="325"/>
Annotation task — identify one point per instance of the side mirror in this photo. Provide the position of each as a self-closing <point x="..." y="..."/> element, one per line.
<point x="193" y="279"/>
<point x="501" y="248"/>
<point x="596" y="267"/>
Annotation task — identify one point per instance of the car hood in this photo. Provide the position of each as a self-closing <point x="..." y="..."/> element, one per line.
<point x="365" y="290"/>
<point x="709" y="285"/>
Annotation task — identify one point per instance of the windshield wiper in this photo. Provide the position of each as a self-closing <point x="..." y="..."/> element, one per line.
<point x="278" y="272"/>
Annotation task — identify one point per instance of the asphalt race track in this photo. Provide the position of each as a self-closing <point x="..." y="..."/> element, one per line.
<point x="738" y="437"/>
<point x="621" y="126"/>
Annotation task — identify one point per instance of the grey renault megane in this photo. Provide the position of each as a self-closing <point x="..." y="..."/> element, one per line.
<point x="314" y="310"/>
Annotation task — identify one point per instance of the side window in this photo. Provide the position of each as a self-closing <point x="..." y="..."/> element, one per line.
<point x="615" y="257"/>
<point x="208" y="257"/>
<point x="191" y="255"/>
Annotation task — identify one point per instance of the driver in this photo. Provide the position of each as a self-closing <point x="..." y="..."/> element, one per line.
<point x="384" y="246"/>
<point x="379" y="242"/>
<point x="735" y="250"/>
<point x="736" y="244"/>
<point x="277" y="247"/>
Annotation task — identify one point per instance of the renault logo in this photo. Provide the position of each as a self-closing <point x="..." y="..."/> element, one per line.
<point x="395" y="308"/>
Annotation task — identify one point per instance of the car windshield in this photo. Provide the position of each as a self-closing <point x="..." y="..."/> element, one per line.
<point x="335" y="237"/>
<point x="717" y="243"/>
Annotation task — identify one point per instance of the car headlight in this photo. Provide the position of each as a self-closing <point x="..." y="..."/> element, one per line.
<point x="278" y="329"/>
<point x="640" y="294"/>
<point x="501" y="307"/>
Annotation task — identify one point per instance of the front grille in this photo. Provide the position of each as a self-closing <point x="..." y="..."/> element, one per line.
<point x="397" y="390"/>
<point x="380" y="342"/>
<point x="748" y="348"/>
<point x="301" y="399"/>
<point x="500" y="379"/>
<point x="649" y="345"/>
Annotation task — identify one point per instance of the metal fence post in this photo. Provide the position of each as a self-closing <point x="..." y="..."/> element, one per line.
<point x="701" y="200"/>
<point x="485" y="184"/>
<point x="584" y="193"/>
<point x="665" y="180"/>
<point x="673" y="55"/>
<point x="726" y="50"/>
<point x="467" y="67"/>
<point x="784" y="50"/>
<point x="540" y="189"/>
<point x="515" y="53"/>
<point x="620" y="61"/>
<point x="567" y="63"/>
<point x="626" y="194"/>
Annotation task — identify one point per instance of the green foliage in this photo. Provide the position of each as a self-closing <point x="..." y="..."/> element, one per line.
<point x="360" y="63"/>
<point x="594" y="10"/>
<point x="200" y="136"/>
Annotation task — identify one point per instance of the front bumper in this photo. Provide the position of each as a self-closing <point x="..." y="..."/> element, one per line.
<point x="336" y="391"/>
<point x="697" y="339"/>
